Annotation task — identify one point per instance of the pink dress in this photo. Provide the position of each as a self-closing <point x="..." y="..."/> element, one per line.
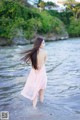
<point x="36" y="80"/>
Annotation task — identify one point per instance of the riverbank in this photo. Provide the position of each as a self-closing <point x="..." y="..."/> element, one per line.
<point x="20" y="24"/>
<point x="23" y="41"/>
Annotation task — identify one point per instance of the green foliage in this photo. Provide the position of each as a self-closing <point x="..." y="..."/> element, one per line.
<point x="50" y="24"/>
<point x="50" y="3"/>
<point x="72" y="23"/>
<point x="63" y="16"/>
<point x="42" y="4"/>
<point x="74" y="27"/>
<point x="16" y="17"/>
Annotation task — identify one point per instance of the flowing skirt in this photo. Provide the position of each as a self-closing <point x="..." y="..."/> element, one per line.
<point x="36" y="80"/>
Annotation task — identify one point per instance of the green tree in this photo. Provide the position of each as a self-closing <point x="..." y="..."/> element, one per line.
<point x="42" y="4"/>
<point x="73" y="6"/>
<point x="74" y="27"/>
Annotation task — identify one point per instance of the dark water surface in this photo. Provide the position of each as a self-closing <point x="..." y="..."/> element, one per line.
<point x="62" y="96"/>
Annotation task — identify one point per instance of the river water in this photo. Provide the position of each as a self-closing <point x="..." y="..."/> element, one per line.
<point x="62" y="96"/>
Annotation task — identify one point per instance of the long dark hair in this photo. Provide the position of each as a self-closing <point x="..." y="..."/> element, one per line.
<point x="31" y="54"/>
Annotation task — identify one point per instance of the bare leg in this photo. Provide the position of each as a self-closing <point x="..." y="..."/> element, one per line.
<point x="41" y="95"/>
<point x="35" y="102"/>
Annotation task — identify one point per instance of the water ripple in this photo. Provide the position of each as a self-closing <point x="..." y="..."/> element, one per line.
<point x="63" y="71"/>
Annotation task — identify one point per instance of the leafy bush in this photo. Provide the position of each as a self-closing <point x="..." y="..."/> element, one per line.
<point x="15" y="17"/>
<point x="74" y="27"/>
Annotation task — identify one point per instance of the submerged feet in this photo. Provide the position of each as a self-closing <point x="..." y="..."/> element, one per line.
<point x="41" y="98"/>
<point x="41" y="95"/>
<point x="35" y="102"/>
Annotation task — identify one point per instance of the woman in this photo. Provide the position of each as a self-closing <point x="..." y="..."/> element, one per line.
<point x="37" y="79"/>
